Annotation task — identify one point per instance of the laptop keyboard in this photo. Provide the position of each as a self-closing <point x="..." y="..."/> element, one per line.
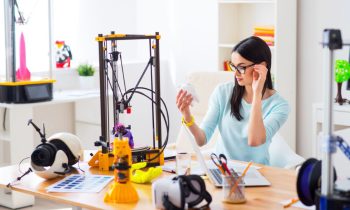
<point x="217" y="174"/>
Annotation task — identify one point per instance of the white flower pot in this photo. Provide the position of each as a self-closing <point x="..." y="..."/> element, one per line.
<point x="87" y="82"/>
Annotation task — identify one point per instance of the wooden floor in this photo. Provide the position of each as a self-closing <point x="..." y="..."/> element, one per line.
<point x="41" y="204"/>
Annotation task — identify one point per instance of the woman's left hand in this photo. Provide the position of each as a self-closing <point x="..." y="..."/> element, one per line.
<point x="259" y="77"/>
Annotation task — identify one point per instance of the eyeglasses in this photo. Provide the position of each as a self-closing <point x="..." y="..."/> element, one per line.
<point x="240" y="69"/>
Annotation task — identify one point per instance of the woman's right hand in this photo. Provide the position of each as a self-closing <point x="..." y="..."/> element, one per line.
<point x="183" y="102"/>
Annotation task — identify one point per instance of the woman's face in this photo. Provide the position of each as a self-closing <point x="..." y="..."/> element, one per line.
<point x="243" y="69"/>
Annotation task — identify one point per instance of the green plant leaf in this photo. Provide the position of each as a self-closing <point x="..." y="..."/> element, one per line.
<point x="86" y="70"/>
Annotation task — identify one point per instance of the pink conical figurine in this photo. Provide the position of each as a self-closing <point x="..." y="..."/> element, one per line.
<point x="23" y="72"/>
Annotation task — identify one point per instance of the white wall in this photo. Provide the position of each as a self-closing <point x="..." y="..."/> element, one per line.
<point x="188" y="41"/>
<point x="195" y="40"/>
<point x="2" y="43"/>
<point x="313" y="17"/>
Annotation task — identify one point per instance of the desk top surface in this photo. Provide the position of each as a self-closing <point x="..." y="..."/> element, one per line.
<point x="282" y="188"/>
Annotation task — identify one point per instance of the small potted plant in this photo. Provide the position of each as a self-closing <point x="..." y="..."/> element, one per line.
<point x="86" y="73"/>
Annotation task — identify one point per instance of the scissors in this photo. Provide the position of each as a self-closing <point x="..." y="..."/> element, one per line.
<point x="223" y="160"/>
<point x="217" y="161"/>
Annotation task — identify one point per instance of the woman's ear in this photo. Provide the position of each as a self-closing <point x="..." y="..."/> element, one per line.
<point x="263" y="63"/>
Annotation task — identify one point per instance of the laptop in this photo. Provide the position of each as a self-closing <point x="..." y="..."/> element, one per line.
<point x="252" y="178"/>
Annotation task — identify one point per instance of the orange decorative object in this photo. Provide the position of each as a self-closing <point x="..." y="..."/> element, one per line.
<point x="122" y="191"/>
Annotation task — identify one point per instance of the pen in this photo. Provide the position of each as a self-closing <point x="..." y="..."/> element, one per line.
<point x="292" y="201"/>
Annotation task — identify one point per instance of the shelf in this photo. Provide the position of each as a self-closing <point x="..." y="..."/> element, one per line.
<point x="232" y="45"/>
<point x="246" y="1"/>
<point x="227" y="45"/>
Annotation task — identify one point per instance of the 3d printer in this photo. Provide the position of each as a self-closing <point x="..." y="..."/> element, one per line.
<point x="13" y="90"/>
<point x="316" y="183"/>
<point x="108" y="59"/>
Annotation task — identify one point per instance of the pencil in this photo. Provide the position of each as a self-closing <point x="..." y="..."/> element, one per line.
<point x="240" y="178"/>
<point x="292" y="201"/>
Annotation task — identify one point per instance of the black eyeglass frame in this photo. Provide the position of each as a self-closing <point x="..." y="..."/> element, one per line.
<point x="240" y="69"/>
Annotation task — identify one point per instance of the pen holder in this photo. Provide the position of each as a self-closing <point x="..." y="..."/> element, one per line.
<point x="233" y="189"/>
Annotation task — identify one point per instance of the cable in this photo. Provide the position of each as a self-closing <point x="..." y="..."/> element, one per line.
<point x="150" y="98"/>
<point x="132" y="91"/>
<point x="4" y="119"/>
<point x="114" y="77"/>
<point x="19" y="165"/>
<point x="21" y="18"/>
<point x="138" y="82"/>
<point x="110" y="84"/>
<point x="10" y="184"/>
<point x="144" y="88"/>
<point x="121" y="64"/>
<point x="165" y="120"/>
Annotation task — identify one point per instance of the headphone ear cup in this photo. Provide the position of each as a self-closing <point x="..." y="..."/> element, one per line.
<point x="44" y="154"/>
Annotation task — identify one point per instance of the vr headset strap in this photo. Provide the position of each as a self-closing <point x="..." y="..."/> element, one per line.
<point x="203" y="193"/>
<point x="168" y="205"/>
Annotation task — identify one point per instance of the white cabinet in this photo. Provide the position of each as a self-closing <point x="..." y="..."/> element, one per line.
<point x="341" y="127"/>
<point x="237" y="19"/>
<point x="88" y="120"/>
<point x="341" y="120"/>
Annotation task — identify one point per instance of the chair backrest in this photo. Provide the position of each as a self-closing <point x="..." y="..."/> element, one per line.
<point x="204" y="84"/>
<point x="281" y="155"/>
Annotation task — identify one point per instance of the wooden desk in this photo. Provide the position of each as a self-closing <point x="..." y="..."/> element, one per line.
<point x="282" y="188"/>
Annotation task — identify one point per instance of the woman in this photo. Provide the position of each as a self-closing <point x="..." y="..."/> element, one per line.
<point x="247" y="112"/>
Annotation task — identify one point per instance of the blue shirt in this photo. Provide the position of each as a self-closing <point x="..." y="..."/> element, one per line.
<point x="234" y="134"/>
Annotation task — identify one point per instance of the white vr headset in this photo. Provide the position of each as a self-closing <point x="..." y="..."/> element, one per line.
<point x="180" y="192"/>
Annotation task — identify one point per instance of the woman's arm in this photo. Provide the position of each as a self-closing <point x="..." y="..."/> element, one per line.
<point x="183" y="101"/>
<point x="198" y="133"/>
<point x="256" y="128"/>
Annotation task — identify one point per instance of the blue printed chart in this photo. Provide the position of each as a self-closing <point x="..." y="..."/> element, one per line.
<point x="79" y="183"/>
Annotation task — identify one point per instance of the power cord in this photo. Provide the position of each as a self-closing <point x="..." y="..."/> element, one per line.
<point x="10" y="184"/>
<point x="166" y="119"/>
<point x="19" y="165"/>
